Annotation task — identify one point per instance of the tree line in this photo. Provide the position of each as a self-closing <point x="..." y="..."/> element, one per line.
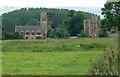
<point x="61" y="22"/>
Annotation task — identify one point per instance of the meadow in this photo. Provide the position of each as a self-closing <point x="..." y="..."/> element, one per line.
<point x="0" y="57"/>
<point x="51" y="56"/>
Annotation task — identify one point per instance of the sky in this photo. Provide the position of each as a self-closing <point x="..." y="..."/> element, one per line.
<point x="10" y="5"/>
<point x="51" y="3"/>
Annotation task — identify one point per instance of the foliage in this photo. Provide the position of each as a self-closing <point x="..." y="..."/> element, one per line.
<point x="58" y="33"/>
<point x="0" y="27"/>
<point x="56" y="17"/>
<point x="82" y="34"/>
<point x="74" y="22"/>
<point x="11" y="35"/>
<point x="103" y="33"/>
<point x="107" y="64"/>
<point x="33" y="22"/>
<point x="31" y="16"/>
<point x="93" y="45"/>
<point x="112" y="15"/>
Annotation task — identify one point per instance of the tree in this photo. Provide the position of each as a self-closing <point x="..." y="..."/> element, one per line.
<point x="11" y="35"/>
<point x="30" y="16"/>
<point x="74" y="22"/>
<point x="111" y="12"/>
<point x="82" y="34"/>
<point x="50" y="17"/>
<point x="58" y="33"/>
<point x="103" y="29"/>
<point x="103" y="33"/>
<point x="33" y="22"/>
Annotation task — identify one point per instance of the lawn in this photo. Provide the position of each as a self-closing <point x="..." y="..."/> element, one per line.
<point x="51" y="56"/>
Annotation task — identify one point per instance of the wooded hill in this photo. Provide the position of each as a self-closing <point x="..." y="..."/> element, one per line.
<point x="31" y="16"/>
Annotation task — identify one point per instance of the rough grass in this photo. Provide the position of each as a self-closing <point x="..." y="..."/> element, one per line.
<point x="0" y="62"/>
<point x="47" y="63"/>
<point x="51" y="45"/>
<point x="106" y="64"/>
<point x="51" y="56"/>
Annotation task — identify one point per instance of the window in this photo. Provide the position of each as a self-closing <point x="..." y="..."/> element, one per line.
<point x="26" y="37"/>
<point x="27" y="33"/>
<point x="33" y="33"/>
<point x="38" y="33"/>
<point x="21" y="32"/>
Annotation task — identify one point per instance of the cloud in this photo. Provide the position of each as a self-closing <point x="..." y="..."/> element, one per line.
<point x="52" y="3"/>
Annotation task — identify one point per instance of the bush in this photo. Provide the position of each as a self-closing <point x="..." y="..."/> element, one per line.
<point x="82" y="34"/>
<point x="107" y="64"/>
<point x="58" y="33"/>
<point x="103" y="33"/>
<point x="36" y="50"/>
<point x="93" y="45"/>
<point x="11" y="35"/>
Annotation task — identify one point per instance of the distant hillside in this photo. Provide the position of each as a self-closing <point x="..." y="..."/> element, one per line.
<point x="31" y="16"/>
<point x="7" y="9"/>
<point x="95" y="10"/>
<point x="0" y="27"/>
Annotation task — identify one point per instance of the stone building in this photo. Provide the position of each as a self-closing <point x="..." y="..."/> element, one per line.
<point x="91" y="26"/>
<point x="34" y="31"/>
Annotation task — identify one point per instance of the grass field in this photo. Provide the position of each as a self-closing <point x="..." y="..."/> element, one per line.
<point x="0" y="57"/>
<point x="51" y="56"/>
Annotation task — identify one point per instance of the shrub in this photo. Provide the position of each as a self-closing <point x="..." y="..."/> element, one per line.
<point x="107" y="64"/>
<point x="58" y="33"/>
<point x="11" y="35"/>
<point x="103" y="33"/>
<point x="36" y="50"/>
<point x="82" y="34"/>
<point x="93" y="45"/>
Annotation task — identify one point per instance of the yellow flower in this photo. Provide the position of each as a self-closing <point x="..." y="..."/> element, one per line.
<point x="78" y="45"/>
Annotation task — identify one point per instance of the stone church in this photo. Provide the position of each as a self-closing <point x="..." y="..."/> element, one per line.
<point x="91" y="26"/>
<point x="34" y="31"/>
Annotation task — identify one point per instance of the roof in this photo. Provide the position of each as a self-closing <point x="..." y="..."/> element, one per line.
<point x="30" y="29"/>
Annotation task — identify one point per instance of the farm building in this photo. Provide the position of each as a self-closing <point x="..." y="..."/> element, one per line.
<point x="34" y="31"/>
<point x="91" y="26"/>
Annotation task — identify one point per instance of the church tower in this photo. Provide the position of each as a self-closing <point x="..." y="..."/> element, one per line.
<point x="43" y="23"/>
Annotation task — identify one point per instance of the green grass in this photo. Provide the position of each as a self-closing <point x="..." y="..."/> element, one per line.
<point x="47" y="63"/>
<point x="51" y="56"/>
<point x="0" y="57"/>
<point x="51" y="45"/>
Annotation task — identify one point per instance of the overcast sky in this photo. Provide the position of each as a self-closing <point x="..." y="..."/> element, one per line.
<point x="10" y="5"/>
<point x="52" y="3"/>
